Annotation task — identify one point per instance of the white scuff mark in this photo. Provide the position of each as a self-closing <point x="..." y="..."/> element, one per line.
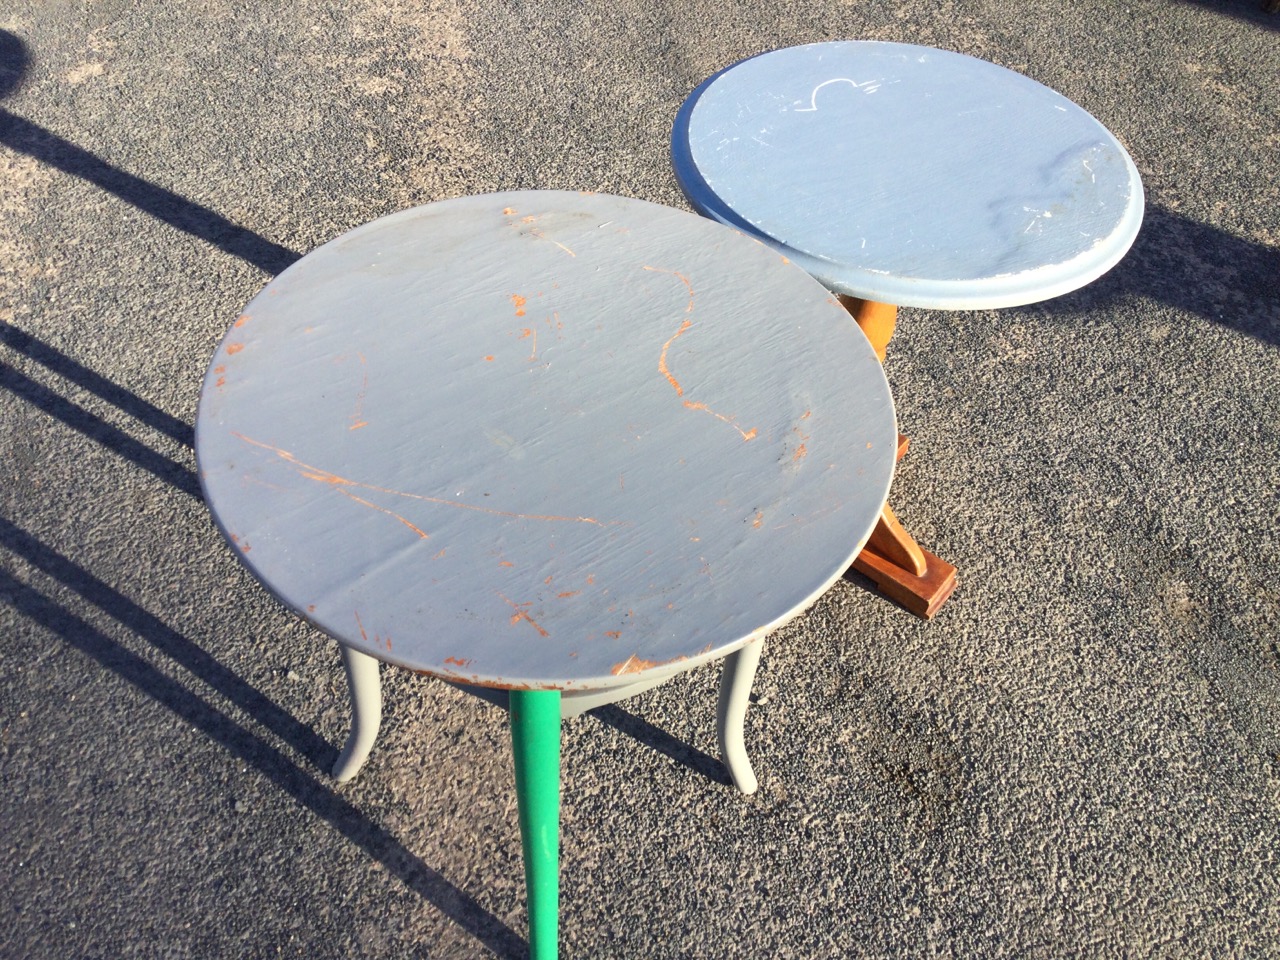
<point x="867" y="86"/>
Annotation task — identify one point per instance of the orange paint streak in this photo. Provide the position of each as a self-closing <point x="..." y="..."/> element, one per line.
<point x="522" y="614"/>
<point x="519" y="301"/>
<point x="489" y="358"/>
<point x="219" y="369"/>
<point x="615" y="634"/>
<point x="508" y="211"/>
<point x="374" y="506"/>
<point x="506" y="563"/>
<point x="440" y="555"/>
<point x="242" y="320"/>
<point x="758" y="520"/>
<point x="324" y="476"/>
<point x="234" y="347"/>
<point x="746" y="434"/>
<point x="542" y="236"/>
<point x="662" y="357"/>
<point x="635" y="664"/>
<point x="682" y="278"/>
<point x="456" y="661"/>
<point x="568" y="593"/>
<point x="666" y="371"/>
<point x="221" y="382"/>
<point x="363" y="636"/>
<point x="800" y="454"/>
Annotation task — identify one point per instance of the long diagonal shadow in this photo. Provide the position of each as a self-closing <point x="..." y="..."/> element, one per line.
<point x="35" y="141"/>
<point x="305" y="790"/>
<point x="129" y="402"/>
<point x="95" y="428"/>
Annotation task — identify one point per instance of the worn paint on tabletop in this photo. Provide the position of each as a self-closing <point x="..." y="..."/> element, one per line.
<point x="633" y="491"/>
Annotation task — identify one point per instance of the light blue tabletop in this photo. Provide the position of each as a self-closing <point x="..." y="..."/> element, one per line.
<point x="545" y="440"/>
<point x="910" y="175"/>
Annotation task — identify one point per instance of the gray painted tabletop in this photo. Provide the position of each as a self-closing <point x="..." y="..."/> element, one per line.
<point x="910" y="175"/>
<point x="545" y="439"/>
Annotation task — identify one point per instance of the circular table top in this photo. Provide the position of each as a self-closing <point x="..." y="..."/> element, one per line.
<point x="545" y="440"/>
<point x="910" y="175"/>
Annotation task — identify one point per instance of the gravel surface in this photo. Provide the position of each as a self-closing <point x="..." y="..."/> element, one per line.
<point x="1079" y="757"/>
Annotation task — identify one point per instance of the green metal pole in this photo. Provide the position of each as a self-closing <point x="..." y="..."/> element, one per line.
<point x="535" y="742"/>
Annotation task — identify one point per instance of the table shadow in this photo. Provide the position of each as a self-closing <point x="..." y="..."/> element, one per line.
<point x="1194" y="268"/>
<point x="94" y="427"/>
<point x="655" y="738"/>
<point x="125" y="400"/>
<point x="628" y="724"/>
<point x="1260" y="13"/>
<point x="23" y="136"/>
<point x="291" y="779"/>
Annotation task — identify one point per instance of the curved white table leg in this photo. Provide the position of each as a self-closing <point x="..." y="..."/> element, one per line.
<point x="365" y="687"/>
<point x="735" y="694"/>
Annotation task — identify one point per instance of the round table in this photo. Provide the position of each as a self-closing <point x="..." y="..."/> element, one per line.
<point x="901" y="175"/>
<point x="562" y="445"/>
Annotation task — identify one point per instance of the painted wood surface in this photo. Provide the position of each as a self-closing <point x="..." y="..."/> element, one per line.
<point x="545" y="440"/>
<point x="910" y="175"/>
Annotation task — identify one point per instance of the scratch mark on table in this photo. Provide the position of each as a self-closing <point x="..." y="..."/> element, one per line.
<point x="321" y="475"/>
<point x="867" y="86"/>
<point x="665" y="370"/>
<point x="662" y="357"/>
<point x="636" y="664"/>
<point x="542" y="236"/>
<point x="522" y="613"/>
<point x="531" y="334"/>
<point x="373" y="506"/>
<point x="377" y="640"/>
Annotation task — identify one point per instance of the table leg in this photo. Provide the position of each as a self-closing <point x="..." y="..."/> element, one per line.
<point x="731" y="713"/>
<point x="877" y="320"/>
<point x="535" y="742"/>
<point x="365" y="687"/>
<point x="903" y="571"/>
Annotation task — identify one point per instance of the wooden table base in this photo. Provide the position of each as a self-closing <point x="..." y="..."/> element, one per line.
<point x="903" y="571"/>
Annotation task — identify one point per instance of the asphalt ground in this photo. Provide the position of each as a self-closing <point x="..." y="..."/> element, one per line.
<point x="1079" y="757"/>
